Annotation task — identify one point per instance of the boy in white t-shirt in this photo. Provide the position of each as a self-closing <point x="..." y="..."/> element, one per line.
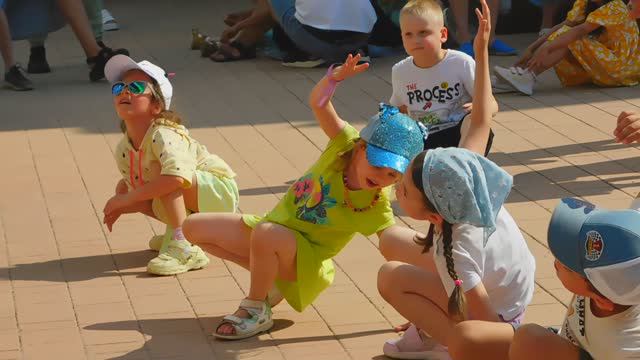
<point x="433" y="85"/>
<point x="598" y="259"/>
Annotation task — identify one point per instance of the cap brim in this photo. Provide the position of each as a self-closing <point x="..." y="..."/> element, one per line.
<point x="380" y="157"/>
<point x="117" y="66"/>
<point x="564" y="232"/>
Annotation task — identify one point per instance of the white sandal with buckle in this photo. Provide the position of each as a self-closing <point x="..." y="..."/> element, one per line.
<point x="260" y="321"/>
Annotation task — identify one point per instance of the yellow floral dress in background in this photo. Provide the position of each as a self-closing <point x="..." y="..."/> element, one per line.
<point x="611" y="58"/>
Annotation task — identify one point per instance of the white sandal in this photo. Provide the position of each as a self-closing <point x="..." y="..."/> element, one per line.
<point x="260" y="321"/>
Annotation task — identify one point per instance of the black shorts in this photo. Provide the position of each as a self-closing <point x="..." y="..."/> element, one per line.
<point x="450" y="137"/>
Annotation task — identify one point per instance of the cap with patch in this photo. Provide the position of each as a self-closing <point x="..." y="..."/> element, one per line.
<point x="118" y="65"/>
<point x="393" y="139"/>
<point x="602" y="245"/>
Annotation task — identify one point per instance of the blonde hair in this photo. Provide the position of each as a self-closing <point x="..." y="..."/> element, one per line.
<point x="429" y="9"/>
<point x="168" y="115"/>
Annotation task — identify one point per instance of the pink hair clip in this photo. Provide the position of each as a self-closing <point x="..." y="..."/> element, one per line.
<point x="330" y="89"/>
<point x="458" y="282"/>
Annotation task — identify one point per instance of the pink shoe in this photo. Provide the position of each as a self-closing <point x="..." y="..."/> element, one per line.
<point x="413" y="346"/>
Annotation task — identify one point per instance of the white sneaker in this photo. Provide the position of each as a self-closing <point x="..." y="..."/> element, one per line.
<point x="108" y="21"/>
<point x="544" y="32"/>
<point x="498" y="86"/>
<point x="179" y="258"/>
<point x="521" y="79"/>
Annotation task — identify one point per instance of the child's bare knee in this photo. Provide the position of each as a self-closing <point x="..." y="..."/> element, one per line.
<point x="385" y="278"/>
<point x="526" y="342"/>
<point x="388" y="246"/>
<point x="463" y="340"/>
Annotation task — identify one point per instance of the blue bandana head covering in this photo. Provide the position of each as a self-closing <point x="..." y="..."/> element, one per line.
<point x="465" y="187"/>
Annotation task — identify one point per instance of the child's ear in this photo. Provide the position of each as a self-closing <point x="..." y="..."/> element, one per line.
<point x="157" y="108"/>
<point x="603" y="302"/>
<point x="434" y="218"/>
<point x="444" y="34"/>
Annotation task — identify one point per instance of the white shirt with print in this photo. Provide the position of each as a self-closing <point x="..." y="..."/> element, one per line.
<point x="435" y="96"/>
<point x="613" y="337"/>
<point x="505" y="266"/>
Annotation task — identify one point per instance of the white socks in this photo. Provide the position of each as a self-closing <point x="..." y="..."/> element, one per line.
<point x="178" y="235"/>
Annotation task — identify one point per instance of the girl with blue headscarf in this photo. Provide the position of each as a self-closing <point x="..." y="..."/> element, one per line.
<point x="478" y="267"/>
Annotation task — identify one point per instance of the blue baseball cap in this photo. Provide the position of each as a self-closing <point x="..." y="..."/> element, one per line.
<point x="393" y="139"/>
<point x="601" y="245"/>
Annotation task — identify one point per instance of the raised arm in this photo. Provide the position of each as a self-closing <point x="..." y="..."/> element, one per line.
<point x="475" y="137"/>
<point x="320" y="97"/>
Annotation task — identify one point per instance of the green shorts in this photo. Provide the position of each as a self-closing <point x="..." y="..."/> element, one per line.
<point x="215" y="194"/>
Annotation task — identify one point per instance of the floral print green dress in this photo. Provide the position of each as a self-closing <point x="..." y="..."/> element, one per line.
<point x="314" y="210"/>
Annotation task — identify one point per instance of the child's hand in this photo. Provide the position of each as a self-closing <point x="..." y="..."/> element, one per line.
<point x="628" y="128"/>
<point x="116" y="203"/>
<point x="349" y="68"/>
<point x="481" y="42"/>
<point x="122" y="187"/>
<point x="110" y="219"/>
<point x="468" y="107"/>
<point x="524" y="60"/>
<point x="228" y="34"/>
<point x="538" y="59"/>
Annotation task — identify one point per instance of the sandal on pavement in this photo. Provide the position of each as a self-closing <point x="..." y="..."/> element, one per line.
<point x="413" y="346"/>
<point x="259" y="321"/>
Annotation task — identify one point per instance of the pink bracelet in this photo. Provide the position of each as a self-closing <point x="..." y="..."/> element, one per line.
<point x="330" y="89"/>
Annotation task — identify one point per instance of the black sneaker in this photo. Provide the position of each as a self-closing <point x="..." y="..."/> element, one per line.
<point x="16" y="79"/>
<point x="38" y="61"/>
<point x="98" y="63"/>
<point x="301" y="60"/>
<point x="91" y="60"/>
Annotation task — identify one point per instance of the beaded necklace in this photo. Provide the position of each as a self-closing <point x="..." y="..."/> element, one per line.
<point x="347" y="200"/>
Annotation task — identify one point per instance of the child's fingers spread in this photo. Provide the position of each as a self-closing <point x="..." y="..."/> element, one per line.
<point x="485" y="8"/>
<point x="362" y="67"/>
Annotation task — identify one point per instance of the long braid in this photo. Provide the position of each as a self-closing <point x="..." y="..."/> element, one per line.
<point x="457" y="306"/>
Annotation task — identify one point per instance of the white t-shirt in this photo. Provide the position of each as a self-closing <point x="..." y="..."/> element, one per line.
<point x="435" y="96"/>
<point x="347" y="15"/>
<point x="613" y="337"/>
<point x="505" y="265"/>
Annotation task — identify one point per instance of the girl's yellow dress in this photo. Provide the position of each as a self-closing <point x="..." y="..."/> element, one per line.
<point x="611" y="58"/>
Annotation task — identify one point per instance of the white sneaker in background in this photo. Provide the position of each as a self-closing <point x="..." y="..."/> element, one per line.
<point x="521" y="79"/>
<point x="544" y="32"/>
<point x="501" y="87"/>
<point x="108" y="21"/>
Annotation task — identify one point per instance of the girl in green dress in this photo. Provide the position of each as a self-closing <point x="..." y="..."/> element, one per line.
<point x="346" y="191"/>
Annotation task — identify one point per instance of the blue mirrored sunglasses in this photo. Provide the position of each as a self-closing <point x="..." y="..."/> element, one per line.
<point x="135" y="87"/>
